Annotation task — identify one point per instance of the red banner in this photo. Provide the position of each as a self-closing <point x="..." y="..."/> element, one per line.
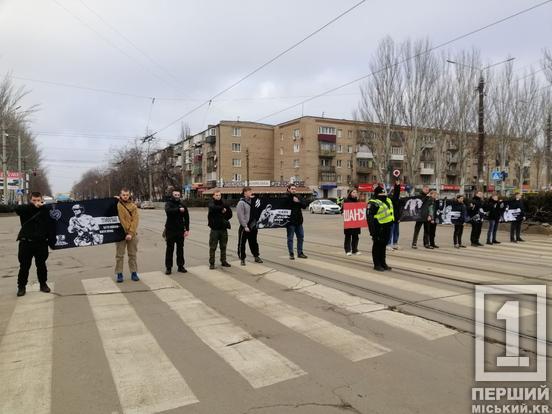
<point x="354" y="215"/>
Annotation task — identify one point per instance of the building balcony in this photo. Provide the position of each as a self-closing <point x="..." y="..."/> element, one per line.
<point x="326" y="152"/>
<point x="427" y="171"/>
<point x="211" y="154"/>
<point x="397" y="157"/>
<point x="327" y="138"/>
<point x="364" y="155"/>
<point x="211" y="168"/>
<point x="452" y="172"/>
<point x="211" y="139"/>
<point x="211" y="183"/>
<point x="198" y="158"/>
<point x="364" y="170"/>
<point x="327" y="179"/>
<point x="197" y="170"/>
<point x="326" y="169"/>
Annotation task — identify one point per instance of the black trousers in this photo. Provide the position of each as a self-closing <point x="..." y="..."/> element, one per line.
<point x="351" y="243"/>
<point x="218" y="237"/>
<point x="169" y="252"/>
<point x="28" y="250"/>
<point x="379" y="245"/>
<point x="515" y="231"/>
<point x="429" y="233"/>
<point x="458" y="231"/>
<point x="417" y="227"/>
<point x="476" y="231"/>
<point x="247" y="237"/>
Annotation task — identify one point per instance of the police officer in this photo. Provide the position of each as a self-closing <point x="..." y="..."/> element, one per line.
<point x="380" y="219"/>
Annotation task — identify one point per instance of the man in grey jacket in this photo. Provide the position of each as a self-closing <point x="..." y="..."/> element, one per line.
<point x="248" y="226"/>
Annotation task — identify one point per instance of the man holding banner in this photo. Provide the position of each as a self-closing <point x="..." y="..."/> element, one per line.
<point x="354" y="218"/>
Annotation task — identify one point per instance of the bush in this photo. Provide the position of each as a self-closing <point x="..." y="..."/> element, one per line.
<point x="539" y="206"/>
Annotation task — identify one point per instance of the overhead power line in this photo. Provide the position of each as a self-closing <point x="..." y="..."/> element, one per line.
<point x="254" y="71"/>
<point x="425" y="52"/>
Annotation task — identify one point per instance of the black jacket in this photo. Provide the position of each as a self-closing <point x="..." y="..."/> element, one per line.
<point x="177" y="221"/>
<point x="474" y="211"/>
<point x="518" y="204"/>
<point x="494" y="209"/>
<point x="427" y="201"/>
<point x="296" y="217"/>
<point x="216" y="219"/>
<point x="463" y="213"/>
<point x="34" y="222"/>
<point x="350" y="231"/>
<point x="396" y="199"/>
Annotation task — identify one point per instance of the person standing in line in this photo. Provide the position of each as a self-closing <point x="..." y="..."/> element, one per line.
<point x="430" y="225"/>
<point x="295" y="225"/>
<point x="129" y="219"/>
<point x="247" y="233"/>
<point x="33" y="242"/>
<point x="177" y="228"/>
<point x="476" y="214"/>
<point x="351" y="235"/>
<point x="424" y="217"/>
<point x="380" y="218"/>
<point x="394" y="234"/>
<point x="494" y="211"/>
<point x="459" y="221"/>
<point x="515" y="226"/>
<point x="218" y="219"/>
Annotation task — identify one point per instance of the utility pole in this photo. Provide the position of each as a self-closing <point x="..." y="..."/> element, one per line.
<point x="481" y="130"/>
<point x="548" y="148"/>
<point x="4" y="164"/>
<point x="20" y="197"/>
<point x="247" y="165"/>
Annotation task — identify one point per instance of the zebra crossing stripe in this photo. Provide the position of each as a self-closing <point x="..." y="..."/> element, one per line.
<point x="259" y="364"/>
<point x="354" y="304"/>
<point x="146" y="380"/>
<point x="351" y="346"/>
<point x="26" y="354"/>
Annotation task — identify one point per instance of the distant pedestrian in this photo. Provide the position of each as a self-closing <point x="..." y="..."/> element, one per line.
<point x="458" y="220"/>
<point x="493" y="210"/>
<point x="295" y="226"/>
<point x="430" y="225"/>
<point x="394" y="234"/>
<point x="177" y="228"/>
<point x="515" y="226"/>
<point x="380" y="218"/>
<point x="351" y="235"/>
<point x="129" y="219"/>
<point x="218" y="219"/>
<point x="33" y="242"/>
<point x="247" y="232"/>
<point x="476" y="215"/>
<point x="424" y="217"/>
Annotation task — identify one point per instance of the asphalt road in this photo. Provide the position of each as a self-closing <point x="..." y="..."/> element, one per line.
<point x="321" y="335"/>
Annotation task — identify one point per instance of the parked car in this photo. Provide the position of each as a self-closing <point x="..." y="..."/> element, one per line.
<point x="147" y="204"/>
<point x="324" y="207"/>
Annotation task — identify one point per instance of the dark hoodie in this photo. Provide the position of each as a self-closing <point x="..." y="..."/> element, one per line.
<point x="34" y="222"/>
<point x="296" y="217"/>
<point x="177" y="221"/>
<point x="475" y="210"/>
<point x="350" y="199"/>
<point x="216" y="219"/>
<point x="494" y="209"/>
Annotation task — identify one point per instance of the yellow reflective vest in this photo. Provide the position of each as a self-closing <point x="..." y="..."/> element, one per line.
<point x="385" y="211"/>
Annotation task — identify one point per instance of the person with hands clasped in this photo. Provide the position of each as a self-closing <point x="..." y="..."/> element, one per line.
<point x="129" y="218"/>
<point x="177" y="228"/>
<point x="247" y="232"/>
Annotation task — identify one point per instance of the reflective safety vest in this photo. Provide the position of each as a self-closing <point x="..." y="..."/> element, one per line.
<point x="385" y="211"/>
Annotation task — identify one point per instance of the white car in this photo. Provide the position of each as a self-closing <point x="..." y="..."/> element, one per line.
<point x="324" y="207"/>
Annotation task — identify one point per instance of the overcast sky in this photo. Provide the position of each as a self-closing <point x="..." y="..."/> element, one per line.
<point x="194" y="49"/>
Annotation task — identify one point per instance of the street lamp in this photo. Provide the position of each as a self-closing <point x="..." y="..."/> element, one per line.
<point x="481" y="112"/>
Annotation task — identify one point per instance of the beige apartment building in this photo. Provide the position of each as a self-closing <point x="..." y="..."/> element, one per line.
<point x="329" y="156"/>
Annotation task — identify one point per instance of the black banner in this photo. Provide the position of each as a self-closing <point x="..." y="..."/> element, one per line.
<point x="85" y="223"/>
<point x="510" y="214"/>
<point x="271" y="213"/>
<point x="411" y="208"/>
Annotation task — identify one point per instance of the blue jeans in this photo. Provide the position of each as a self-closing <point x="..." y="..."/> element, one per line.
<point x="298" y="231"/>
<point x="394" y="234"/>
<point x="491" y="233"/>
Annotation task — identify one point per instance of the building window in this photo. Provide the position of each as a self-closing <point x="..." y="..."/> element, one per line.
<point x="363" y="163"/>
<point x="325" y="162"/>
<point x="236" y="132"/>
<point x="350" y="149"/>
<point x="281" y="150"/>
<point x="397" y="150"/>
<point x="296" y="133"/>
<point x="295" y="163"/>
<point x="281" y="165"/>
<point x="236" y="147"/>
<point x="237" y="177"/>
<point x="338" y="179"/>
<point x="339" y="133"/>
<point x="349" y="164"/>
<point x="296" y="147"/>
<point x="350" y="133"/>
<point x="340" y="148"/>
<point x="236" y="162"/>
<point x="338" y="163"/>
<point x="326" y="130"/>
<point x="281" y="137"/>
<point x="348" y="179"/>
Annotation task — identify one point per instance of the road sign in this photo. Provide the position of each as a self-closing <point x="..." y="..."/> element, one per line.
<point x="496" y="176"/>
<point x="20" y="191"/>
<point x="396" y="173"/>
